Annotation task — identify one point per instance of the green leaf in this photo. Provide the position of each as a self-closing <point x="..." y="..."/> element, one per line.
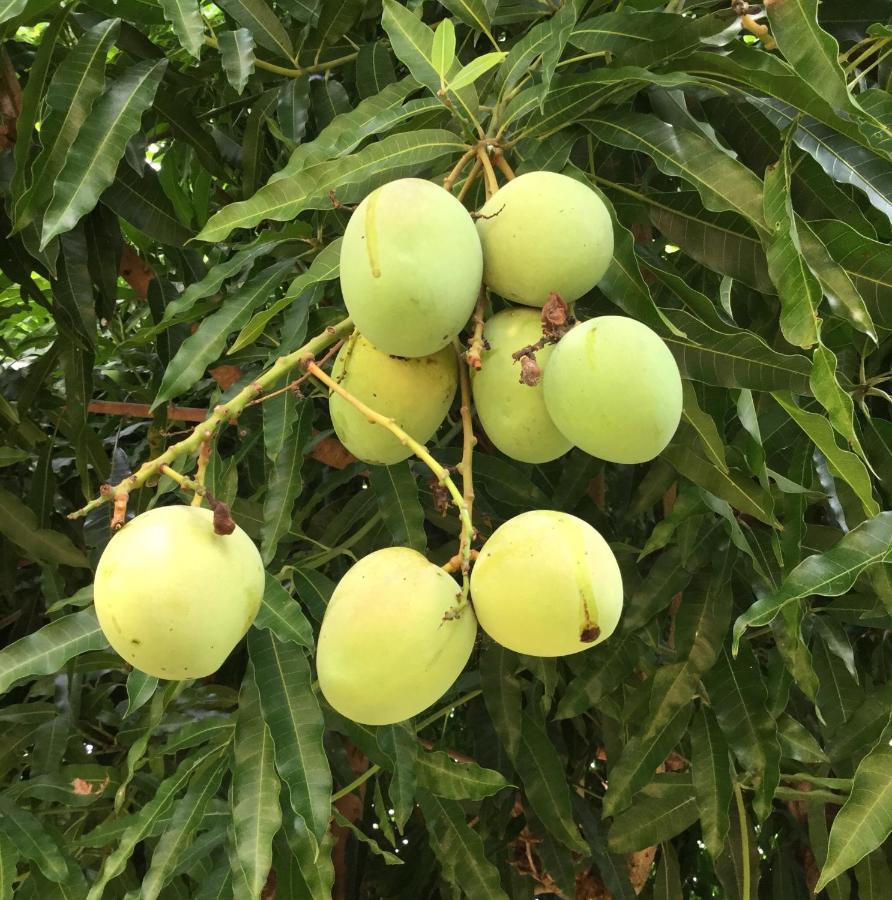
<point x="842" y="463"/>
<point x="355" y="176"/>
<point x="399" y="743"/>
<point x="665" y="808"/>
<point x="397" y="495"/>
<point x="865" y="819"/>
<point x="711" y="774"/>
<point x="798" y="289"/>
<point x="502" y="694"/>
<point x="738" y="863"/>
<point x="285" y="483"/>
<point x="480" y="65"/>
<point x="281" y="615"/>
<point x="143" y="823"/>
<point x="828" y="392"/>
<point x="9" y="857"/>
<point x="874" y="876"/>
<point x="325" y="267"/>
<point x="667" y="885"/>
<point x="443" y="47"/>
<point x="412" y="42"/>
<point x="459" y="850"/>
<point x="810" y="50"/>
<point x="295" y="722"/>
<point x="722" y="182"/>
<point x="390" y="859"/>
<point x="544" y="781"/>
<point x="185" y="17"/>
<point x="140" y="689"/>
<point x="738" y="698"/>
<point x="9" y="456"/>
<point x="93" y="159"/>
<point x="72" y="91"/>
<point x="374" y="69"/>
<point x="438" y="773"/>
<point x="237" y="55"/>
<point x="187" y="816"/>
<point x="46" y="650"/>
<point x="476" y="14"/>
<point x="141" y="201"/>
<point x="254" y="797"/>
<point x="261" y="21"/>
<point x="828" y="574"/>
<point x="9" y="9"/>
<point x="19" y="524"/>
<point x="797" y="742"/>
<point x="27" y="834"/>
<point x="705" y="426"/>
<point x="200" y="349"/>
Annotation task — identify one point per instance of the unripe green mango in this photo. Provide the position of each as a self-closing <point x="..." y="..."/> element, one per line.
<point x="415" y="393"/>
<point x="544" y="232"/>
<point x="174" y="598"/>
<point x="411" y="266"/>
<point x="387" y="649"/>
<point x="513" y="414"/>
<point x="547" y="584"/>
<point x="613" y="388"/>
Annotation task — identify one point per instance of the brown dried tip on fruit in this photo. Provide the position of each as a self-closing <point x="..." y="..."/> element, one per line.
<point x="589" y="634"/>
<point x="223" y="521"/>
<point x="556" y="318"/>
<point x="530" y="373"/>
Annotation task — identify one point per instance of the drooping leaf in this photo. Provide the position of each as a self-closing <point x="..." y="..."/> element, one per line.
<point x="185" y="17"/>
<point x="280" y="614"/>
<point x="257" y="17"/>
<point x="662" y="810"/>
<point x="711" y="774"/>
<point x="237" y="56"/>
<point x="397" y="495"/>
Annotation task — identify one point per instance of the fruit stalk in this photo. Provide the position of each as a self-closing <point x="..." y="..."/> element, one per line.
<point x="489" y="174"/>
<point x="466" y="466"/>
<point x="440" y="473"/>
<point x="222" y="414"/>
<point x="477" y="344"/>
<point x="472" y="177"/>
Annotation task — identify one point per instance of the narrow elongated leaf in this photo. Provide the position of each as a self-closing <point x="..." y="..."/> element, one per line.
<point x="286" y="483"/>
<point x="261" y="21"/>
<point x="399" y="743"/>
<point x="711" y="774"/>
<point x="280" y="614"/>
<point x="809" y="49"/>
<point x="842" y="463"/>
<point x="874" y="876"/>
<point x="9" y="9"/>
<point x="798" y="289"/>
<point x="443" y="47"/>
<point x="325" y="267"/>
<point x="828" y="392"/>
<point x="459" y="850"/>
<point x="295" y="722"/>
<point x="185" y="17"/>
<point x="667" y="885"/>
<point x="827" y="574"/>
<point x="722" y="182"/>
<point x="662" y="810"/>
<point x="72" y="91"/>
<point x="140" y="688"/>
<point x="394" y="157"/>
<point x="739" y="700"/>
<point x="9" y="856"/>
<point x="187" y="817"/>
<point x="205" y="345"/>
<point x="797" y="742"/>
<point x="142" y="824"/>
<point x="19" y="524"/>
<point x="478" y="67"/>
<point x="237" y="56"/>
<point x="502" y="694"/>
<point x="865" y="819"/>
<point x="705" y="426"/>
<point x="397" y="495"/>
<point x="738" y="864"/>
<point x="48" y="649"/>
<point x="32" y="841"/>
<point x="439" y="774"/>
<point x="542" y="773"/>
<point x="93" y="159"/>
<point x="256" y="813"/>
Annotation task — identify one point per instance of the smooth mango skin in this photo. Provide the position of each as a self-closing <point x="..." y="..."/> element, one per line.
<point x="613" y="388"/>
<point x="545" y="233"/>
<point x="416" y="393"/>
<point x="385" y="651"/>
<point x="513" y="415"/>
<point x="411" y="266"/>
<point x="174" y="598"/>
<point x="543" y="582"/>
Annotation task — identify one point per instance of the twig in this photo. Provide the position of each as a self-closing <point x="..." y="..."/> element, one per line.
<point x="440" y="473"/>
<point x="472" y="177"/>
<point x="144" y="411"/>
<point x="294" y="385"/>
<point x="466" y="466"/>
<point x="503" y="166"/>
<point x="300" y="70"/>
<point x="477" y="344"/>
<point x="452" y="177"/>
<point x="489" y="175"/>
<point x="222" y="414"/>
<point x="204" y="456"/>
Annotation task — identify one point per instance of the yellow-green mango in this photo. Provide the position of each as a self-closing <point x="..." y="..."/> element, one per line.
<point x="541" y="233"/>
<point x="547" y="584"/>
<point x="410" y="267"/>
<point x="512" y="414"/>
<point x="416" y="393"/>
<point x="389" y="645"/>
<point x="613" y="388"/>
<point x="174" y="598"/>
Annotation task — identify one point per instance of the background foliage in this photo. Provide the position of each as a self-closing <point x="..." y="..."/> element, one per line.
<point x="165" y="163"/>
